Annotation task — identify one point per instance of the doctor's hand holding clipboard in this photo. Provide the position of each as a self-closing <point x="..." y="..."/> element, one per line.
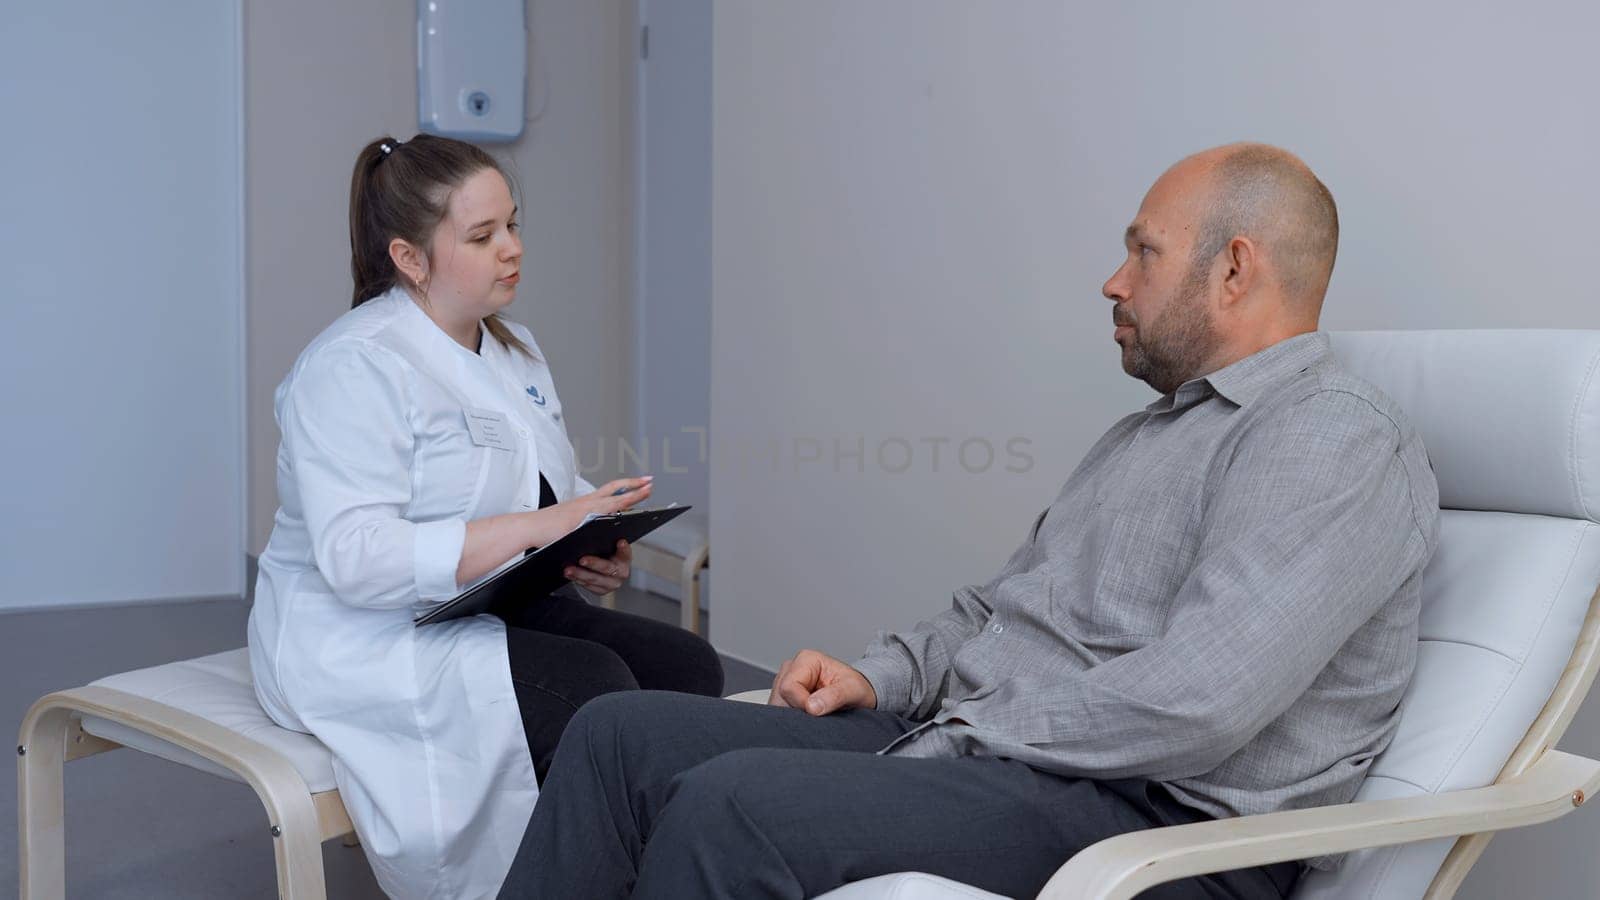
<point x="491" y="541"/>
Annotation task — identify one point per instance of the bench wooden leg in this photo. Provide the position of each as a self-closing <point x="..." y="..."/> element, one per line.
<point x="298" y="853"/>
<point x="689" y="599"/>
<point x="300" y="822"/>
<point x="41" y="813"/>
<point x="689" y="589"/>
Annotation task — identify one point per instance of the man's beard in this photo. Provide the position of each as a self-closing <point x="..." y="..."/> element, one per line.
<point x="1182" y="340"/>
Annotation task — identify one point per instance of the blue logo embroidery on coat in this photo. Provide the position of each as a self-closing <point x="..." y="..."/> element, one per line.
<point x="533" y="392"/>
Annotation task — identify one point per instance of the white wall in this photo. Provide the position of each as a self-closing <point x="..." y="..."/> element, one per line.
<point x="915" y="204"/>
<point x="323" y="79"/>
<point x="120" y="356"/>
<point x="673" y="362"/>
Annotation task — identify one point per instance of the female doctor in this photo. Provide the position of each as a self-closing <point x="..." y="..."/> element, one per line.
<point x="423" y="448"/>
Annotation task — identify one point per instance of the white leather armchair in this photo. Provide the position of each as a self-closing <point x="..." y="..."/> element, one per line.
<point x="1509" y="631"/>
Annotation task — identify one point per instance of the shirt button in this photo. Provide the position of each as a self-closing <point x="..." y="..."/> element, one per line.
<point x="522" y="431"/>
<point x="997" y="628"/>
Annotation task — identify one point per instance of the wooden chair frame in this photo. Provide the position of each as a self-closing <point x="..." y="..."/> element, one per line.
<point x="685" y="571"/>
<point x="52" y="735"/>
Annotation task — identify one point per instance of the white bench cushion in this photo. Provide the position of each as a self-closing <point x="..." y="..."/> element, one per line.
<point x="217" y="688"/>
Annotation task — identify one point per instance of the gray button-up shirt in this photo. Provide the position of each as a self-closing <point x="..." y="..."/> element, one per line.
<point x="1223" y="598"/>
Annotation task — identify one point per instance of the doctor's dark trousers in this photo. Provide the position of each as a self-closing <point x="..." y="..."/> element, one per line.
<point x="656" y="795"/>
<point x="565" y="652"/>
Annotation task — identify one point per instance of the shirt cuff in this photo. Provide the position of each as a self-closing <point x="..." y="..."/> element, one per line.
<point x="436" y="554"/>
<point x="890" y="680"/>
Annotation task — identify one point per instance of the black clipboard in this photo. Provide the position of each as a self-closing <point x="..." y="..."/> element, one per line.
<point x="540" y="572"/>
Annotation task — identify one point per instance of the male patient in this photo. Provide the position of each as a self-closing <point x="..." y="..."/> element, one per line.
<point x="1217" y="616"/>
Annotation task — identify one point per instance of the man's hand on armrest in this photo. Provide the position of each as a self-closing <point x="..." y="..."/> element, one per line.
<point x="820" y="684"/>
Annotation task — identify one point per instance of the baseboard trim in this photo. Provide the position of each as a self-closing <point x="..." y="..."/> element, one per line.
<point x="749" y="662"/>
<point x="44" y="606"/>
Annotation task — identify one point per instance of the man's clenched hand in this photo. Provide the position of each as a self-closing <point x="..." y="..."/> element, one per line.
<point x="820" y="684"/>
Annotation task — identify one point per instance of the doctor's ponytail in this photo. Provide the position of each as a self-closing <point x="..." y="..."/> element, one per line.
<point x="402" y="190"/>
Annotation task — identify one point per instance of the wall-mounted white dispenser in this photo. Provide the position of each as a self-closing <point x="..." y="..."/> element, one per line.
<point x="472" y="63"/>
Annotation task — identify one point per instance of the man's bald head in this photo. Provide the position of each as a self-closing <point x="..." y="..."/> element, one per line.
<point x="1229" y="253"/>
<point x="1270" y="196"/>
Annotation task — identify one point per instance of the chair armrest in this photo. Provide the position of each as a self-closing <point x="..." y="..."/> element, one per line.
<point x="1121" y="867"/>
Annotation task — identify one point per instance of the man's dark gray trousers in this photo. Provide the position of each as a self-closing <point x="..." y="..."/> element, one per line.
<point x="663" y="795"/>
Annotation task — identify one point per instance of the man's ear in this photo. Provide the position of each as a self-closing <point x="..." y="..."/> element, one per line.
<point x="409" y="260"/>
<point x="1243" y="261"/>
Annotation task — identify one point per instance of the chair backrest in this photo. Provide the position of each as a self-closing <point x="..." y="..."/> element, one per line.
<point x="1511" y="422"/>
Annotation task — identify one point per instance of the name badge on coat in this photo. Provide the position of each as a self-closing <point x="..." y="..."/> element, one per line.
<point x="489" y="429"/>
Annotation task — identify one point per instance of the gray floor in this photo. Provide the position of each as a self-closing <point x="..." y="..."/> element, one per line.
<point x="140" y="827"/>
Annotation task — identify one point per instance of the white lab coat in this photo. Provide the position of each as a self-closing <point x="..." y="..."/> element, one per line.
<point x="377" y="478"/>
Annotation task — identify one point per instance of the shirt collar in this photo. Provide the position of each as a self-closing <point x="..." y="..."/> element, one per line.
<point x="1243" y="381"/>
<point x="430" y="331"/>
